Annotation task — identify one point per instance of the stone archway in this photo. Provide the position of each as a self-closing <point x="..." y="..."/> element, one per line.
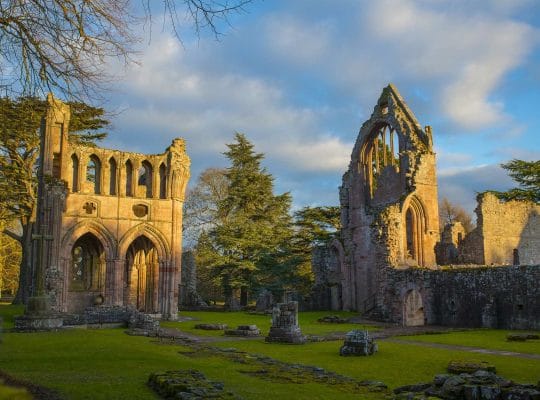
<point x="414" y="219"/>
<point x="86" y="275"/>
<point x="413" y="309"/>
<point x="142" y="272"/>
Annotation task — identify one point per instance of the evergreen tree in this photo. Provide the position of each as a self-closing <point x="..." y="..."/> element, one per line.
<point x="527" y="175"/>
<point x="313" y="226"/>
<point x="245" y="248"/>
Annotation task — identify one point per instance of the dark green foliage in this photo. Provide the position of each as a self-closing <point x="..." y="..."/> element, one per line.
<point x="248" y="247"/>
<point x="527" y="175"/>
<point x="254" y="242"/>
<point x="314" y="226"/>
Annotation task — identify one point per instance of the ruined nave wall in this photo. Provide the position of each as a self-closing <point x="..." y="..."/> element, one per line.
<point x="507" y="233"/>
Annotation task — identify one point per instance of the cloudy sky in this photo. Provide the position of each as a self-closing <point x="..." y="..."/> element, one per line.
<point x="299" y="78"/>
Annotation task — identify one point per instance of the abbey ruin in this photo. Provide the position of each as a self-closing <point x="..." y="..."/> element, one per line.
<point x="390" y="260"/>
<point x="109" y="224"/>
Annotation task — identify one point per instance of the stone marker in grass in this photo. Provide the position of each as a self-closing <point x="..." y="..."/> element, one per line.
<point x="358" y="343"/>
<point x="285" y="327"/>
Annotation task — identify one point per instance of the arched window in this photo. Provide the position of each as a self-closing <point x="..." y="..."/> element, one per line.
<point x="411" y="234"/>
<point x="74" y="173"/>
<point x="142" y="272"/>
<point x="129" y="178"/>
<point x="381" y="151"/>
<point x="113" y="172"/>
<point x="93" y="173"/>
<point x="415" y="231"/>
<point x="145" y="177"/>
<point x="162" y="181"/>
<point x="87" y="265"/>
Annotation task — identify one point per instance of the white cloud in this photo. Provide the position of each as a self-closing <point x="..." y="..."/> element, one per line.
<point x="461" y="184"/>
<point x="207" y="106"/>
<point x="297" y="40"/>
<point x="464" y="55"/>
<point x="300" y="81"/>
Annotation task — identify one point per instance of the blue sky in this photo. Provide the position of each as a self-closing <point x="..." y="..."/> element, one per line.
<point x="299" y="78"/>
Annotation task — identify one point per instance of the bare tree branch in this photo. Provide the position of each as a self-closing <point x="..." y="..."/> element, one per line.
<point x="66" y="46"/>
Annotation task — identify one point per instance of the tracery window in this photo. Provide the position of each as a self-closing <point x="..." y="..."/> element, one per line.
<point x="380" y="152"/>
<point x="87" y="265"/>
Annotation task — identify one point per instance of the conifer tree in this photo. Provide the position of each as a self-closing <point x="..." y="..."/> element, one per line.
<point x="527" y="176"/>
<point x="248" y="246"/>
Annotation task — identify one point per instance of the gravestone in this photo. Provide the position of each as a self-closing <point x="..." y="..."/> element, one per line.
<point x="358" y="343"/>
<point x="285" y="327"/>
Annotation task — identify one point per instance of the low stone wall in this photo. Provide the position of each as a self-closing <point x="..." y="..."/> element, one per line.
<point x="494" y="297"/>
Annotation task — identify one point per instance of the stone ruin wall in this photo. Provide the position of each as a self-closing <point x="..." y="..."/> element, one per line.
<point x="108" y="215"/>
<point x="491" y="297"/>
<point x="368" y="270"/>
<point x="507" y="233"/>
<point x="391" y="175"/>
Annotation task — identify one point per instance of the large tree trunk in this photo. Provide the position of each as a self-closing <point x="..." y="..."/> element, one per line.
<point x="26" y="271"/>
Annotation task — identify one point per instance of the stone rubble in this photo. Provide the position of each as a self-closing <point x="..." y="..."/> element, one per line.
<point x="244" y="330"/>
<point x="358" y="343"/>
<point x="478" y="385"/>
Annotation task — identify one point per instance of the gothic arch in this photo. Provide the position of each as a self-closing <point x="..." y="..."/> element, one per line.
<point x="153" y="234"/>
<point x="415" y="228"/>
<point x="380" y="149"/>
<point x="101" y="233"/>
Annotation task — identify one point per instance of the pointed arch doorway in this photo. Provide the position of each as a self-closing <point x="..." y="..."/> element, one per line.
<point x="142" y="270"/>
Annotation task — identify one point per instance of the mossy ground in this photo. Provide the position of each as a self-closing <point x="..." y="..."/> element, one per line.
<point x="106" y="363"/>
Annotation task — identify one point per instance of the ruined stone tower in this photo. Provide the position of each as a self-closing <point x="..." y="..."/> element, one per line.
<point x="388" y="197"/>
<point x="109" y="226"/>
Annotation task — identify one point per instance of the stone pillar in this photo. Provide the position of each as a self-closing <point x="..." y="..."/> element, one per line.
<point x="120" y="281"/>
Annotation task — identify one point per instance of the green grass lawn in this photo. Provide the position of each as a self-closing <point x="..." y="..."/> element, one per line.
<point x="8" y="311"/>
<point x="107" y="363"/>
<point x="485" y="338"/>
<point x="394" y="364"/>
<point x="307" y="321"/>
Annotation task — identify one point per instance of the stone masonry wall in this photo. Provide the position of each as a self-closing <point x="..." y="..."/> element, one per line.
<point x="495" y="297"/>
<point x="505" y="230"/>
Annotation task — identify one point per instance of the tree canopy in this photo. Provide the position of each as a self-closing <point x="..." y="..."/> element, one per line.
<point x="254" y="225"/>
<point x="527" y="176"/>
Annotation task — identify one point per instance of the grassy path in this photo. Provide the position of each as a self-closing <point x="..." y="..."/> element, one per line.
<point x="464" y="348"/>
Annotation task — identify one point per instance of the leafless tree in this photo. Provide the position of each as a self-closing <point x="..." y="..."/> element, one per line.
<point x="449" y="213"/>
<point x="201" y="206"/>
<point x="64" y="46"/>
